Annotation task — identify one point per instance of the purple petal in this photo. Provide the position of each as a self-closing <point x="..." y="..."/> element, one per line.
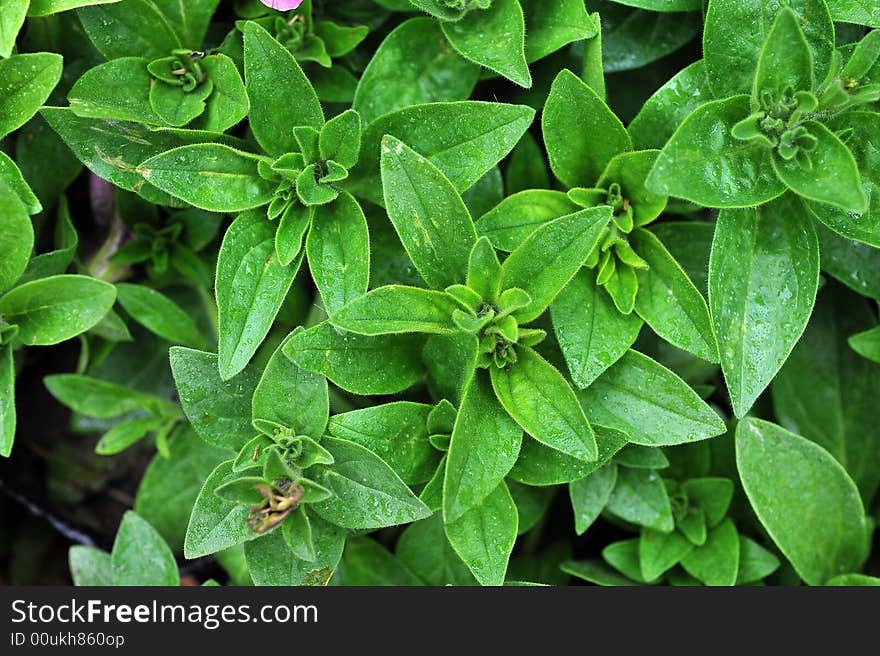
<point x="282" y="5"/>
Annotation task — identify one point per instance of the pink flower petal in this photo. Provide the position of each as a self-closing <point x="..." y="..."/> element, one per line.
<point x="282" y="5"/>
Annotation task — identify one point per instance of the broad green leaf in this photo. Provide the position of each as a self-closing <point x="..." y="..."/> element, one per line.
<point x="494" y="38"/>
<point x="630" y="170"/>
<point x="711" y="495"/>
<point x="386" y="364"/>
<point x="367" y="492"/>
<point x="834" y="176"/>
<point x="216" y="523"/>
<point x="755" y="562"/>
<point x="540" y="400"/>
<point x="717" y="561"/>
<point x="510" y="222"/>
<point x="14" y="12"/>
<point x="592" y="334"/>
<point x="48" y="7"/>
<point x="864" y="144"/>
<point x="485" y="445"/>
<point x="272" y="562"/>
<point x="117" y="90"/>
<point x="171" y="483"/>
<point x="89" y="566"/>
<point x="159" y="314"/>
<point x="786" y="63"/>
<point x="189" y="19"/>
<point x="555" y="25"/>
<point x="763" y="276"/>
<point x="54" y="309"/>
<point x="462" y="139"/>
<point x="483" y="537"/>
<point x="413" y="65"/>
<point x="16" y="235"/>
<point x="822" y="533"/>
<point x="854" y="11"/>
<point x="854" y="263"/>
<point x="704" y="163"/>
<point x="397" y="309"/>
<point x="851" y="580"/>
<point x="228" y="103"/>
<point x="136" y="28"/>
<point x="690" y="243"/>
<point x="26" y="80"/>
<point x="281" y="96"/>
<point x="431" y="220"/>
<point x="732" y="52"/>
<point x="649" y="403"/>
<point x="640" y="497"/>
<point x="365" y="562"/>
<point x="589" y="496"/>
<point x="659" y="552"/>
<point x="424" y="548"/>
<point x="338" y="249"/>
<point x="219" y="411"/>
<point x="669" y="302"/>
<point x="632" y="38"/>
<point x="867" y="344"/>
<point x="580" y="132"/>
<point x="550" y="257"/>
<point x="103" y="399"/>
<point x="140" y="556"/>
<point x="827" y="393"/>
<point x="7" y="400"/>
<point x="396" y="432"/>
<point x="595" y="571"/>
<point x="291" y="397"/>
<point x="636" y="456"/>
<point x="212" y="177"/>
<point x="251" y="286"/>
<point x="539" y="465"/>
<point x="670" y="105"/>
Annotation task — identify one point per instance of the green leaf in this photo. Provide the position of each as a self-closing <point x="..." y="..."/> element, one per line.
<point x="669" y="302"/>
<point x="338" y="249"/>
<point x="828" y="394"/>
<point x="640" y="497"/>
<point x="94" y="397"/>
<point x="589" y="496"/>
<point x="89" y="566"/>
<point x="659" y="552"/>
<point x="630" y="170"/>
<point x="367" y="563"/>
<point x="14" y="12"/>
<point x="55" y="309"/>
<point x="483" y="537"/>
<point x="763" y="276"/>
<point x="851" y="580"/>
<point x="137" y="28"/>
<point x="27" y="81"/>
<point x="550" y="257"/>
<point x="281" y="96"/>
<point x="833" y="177"/>
<point x="822" y="533"/>
<point x="633" y="38"/>
<point x="424" y="548"/>
<point x="540" y="400"/>
<point x="755" y="562"/>
<point x="397" y="309"/>
<point x="386" y="364"/>
<point x="649" y="403"/>
<point x="212" y="177"/>
<point x="367" y="492"/>
<point x="581" y="133"/>
<point x="853" y="263"/>
<point x="228" y="102"/>
<point x="216" y="523"/>
<point x="867" y="344"/>
<point x="190" y="21"/>
<point x="272" y="562"/>
<point x="140" y="556"/>
<point x="125" y="434"/>
<point x="510" y="222"/>
<point x="732" y="52"/>
<point x="494" y="38"/>
<point x="396" y="432"/>
<point x="786" y="63"/>
<point x="413" y="65"/>
<point x="854" y="11"/>
<point x="219" y="411"/>
<point x="670" y="105"/>
<point x="291" y="397"/>
<point x="555" y="25"/>
<point x="462" y="139"/>
<point x="168" y="490"/>
<point x="595" y="571"/>
<point x="159" y="314"/>
<point x="16" y="235"/>
<point x="251" y="286"/>
<point x="704" y="163"/>
<point x="431" y="220"/>
<point x="485" y="445"/>
<point x="118" y="90"/>
<point x="48" y="7"/>
<point x="7" y="400"/>
<point x="717" y="561"/>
